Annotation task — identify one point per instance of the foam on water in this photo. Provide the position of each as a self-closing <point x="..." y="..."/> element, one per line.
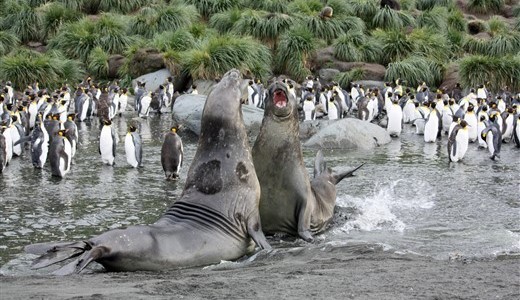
<point x="386" y="208"/>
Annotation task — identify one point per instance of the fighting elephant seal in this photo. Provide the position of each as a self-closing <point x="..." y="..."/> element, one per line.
<point x="290" y="202"/>
<point x="216" y="217"/>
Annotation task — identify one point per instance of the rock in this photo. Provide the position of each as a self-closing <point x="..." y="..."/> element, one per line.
<point x="153" y="80"/>
<point x="328" y="75"/>
<point x="145" y="61"/>
<point x="114" y="64"/>
<point x="451" y="77"/>
<point x="187" y="112"/>
<point x="349" y="133"/>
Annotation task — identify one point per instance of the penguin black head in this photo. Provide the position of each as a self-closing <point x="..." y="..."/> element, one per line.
<point x="55" y="117"/>
<point x="439" y="96"/>
<point x="463" y="123"/>
<point x="472" y="90"/>
<point x="455" y="119"/>
<point x="484" y="108"/>
<point x="170" y="78"/>
<point x="9" y="106"/>
<point x="14" y="118"/>
<point x="470" y="107"/>
<point x="2" y="97"/>
<point x="107" y="122"/>
<point x="416" y="103"/>
<point x="482" y="118"/>
<point x="493" y="116"/>
<point x="61" y="132"/>
<point x="63" y="102"/>
<point x="71" y="117"/>
<point x="132" y="128"/>
<point x="251" y="82"/>
<point x="445" y="102"/>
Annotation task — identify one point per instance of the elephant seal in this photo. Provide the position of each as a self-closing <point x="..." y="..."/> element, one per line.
<point x="290" y="202"/>
<point x="216" y="217"/>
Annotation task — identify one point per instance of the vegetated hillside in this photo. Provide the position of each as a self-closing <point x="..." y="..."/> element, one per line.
<point x="436" y="41"/>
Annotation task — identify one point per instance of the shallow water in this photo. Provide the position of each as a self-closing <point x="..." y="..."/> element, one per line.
<point x="407" y="199"/>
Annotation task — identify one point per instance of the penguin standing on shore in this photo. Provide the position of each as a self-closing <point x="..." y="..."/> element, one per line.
<point x="133" y="147"/>
<point x="71" y="132"/>
<point x="516" y="130"/>
<point x="471" y="119"/>
<point x="172" y="154"/>
<point x="123" y="101"/>
<point x="395" y="118"/>
<point x="39" y="145"/>
<point x="508" y="117"/>
<point x="107" y="143"/>
<point x="493" y="137"/>
<point x="144" y="107"/>
<point x="481" y="125"/>
<point x="458" y="142"/>
<point x="431" y="128"/>
<point x="60" y="155"/>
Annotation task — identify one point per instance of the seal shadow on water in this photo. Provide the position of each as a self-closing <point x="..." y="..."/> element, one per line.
<point x="216" y="217"/>
<point x="290" y="202"/>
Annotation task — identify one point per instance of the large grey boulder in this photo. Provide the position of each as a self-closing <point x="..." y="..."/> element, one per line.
<point x="347" y="134"/>
<point x="187" y="112"/>
<point x="153" y="80"/>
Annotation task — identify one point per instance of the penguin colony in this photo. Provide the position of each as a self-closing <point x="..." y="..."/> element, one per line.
<point x="42" y="123"/>
<point x="462" y="116"/>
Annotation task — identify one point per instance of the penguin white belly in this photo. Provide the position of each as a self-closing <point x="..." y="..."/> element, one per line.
<point x="145" y="106"/>
<point x="419" y="126"/>
<point x="65" y="161"/>
<point x="106" y="144"/>
<point x="408" y="112"/>
<point x="471" y="119"/>
<point x="84" y="110"/>
<point x="130" y="151"/>
<point x="462" y="145"/>
<point x="308" y="108"/>
<point x="508" y="133"/>
<point x="501" y="106"/>
<point x="447" y="117"/>
<point x="395" y="117"/>
<point x="489" y="142"/>
<point x="123" y="101"/>
<point x="370" y="108"/>
<point x="333" y="111"/>
<point x="431" y="129"/>
<point x="15" y="137"/>
<point x="33" y="112"/>
<point x="178" y="169"/>
<point x="480" y="127"/>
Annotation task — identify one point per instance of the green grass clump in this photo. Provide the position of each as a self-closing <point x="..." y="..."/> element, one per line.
<point x="395" y="45"/>
<point x="435" y="18"/>
<point x="152" y="20"/>
<point x="54" y="15"/>
<point x="356" y="46"/>
<point x="24" y="67"/>
<point x="429" y="43"/>
<point x="415" y="70"/>
<point x="121" y="6"/>
<point x="224" y="21"/>
<point x="387" y="18"/>
<point x="264" y="26"/>
<point x="497" y="26"/>
<point x="97" y="63"/>
<point x="293" y="53"/>
<point x="499" y="71"/>
<point x="213" y="57"/>
<point x="274" y="6"/>
<point x="485" y="6"/>
<point x="23" y="21"/>
<point x="364" y="9"/>
<point x="179" y="40"/>
<point x="345" y="78"/>
<point x="429" y="4"/>
<point x="207" y="8"/>
<point x="8" y="42"/>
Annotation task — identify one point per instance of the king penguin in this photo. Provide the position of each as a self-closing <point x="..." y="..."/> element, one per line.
<point x="107" y="143"/>
<point x="516" y="130"/>
<point x="395" y="118"/>
<point x="493" y="137"/>
<point x="3" y="153"/>
<point x="144" y="108"/>
<point x="133" y="147"/>
<point x="39" y="144"/>
<point x="481" y="125"/>
<point x="60" y="155"/>
<point x="431" y="128"/>
<point x="458" y="141"/>
<point x="71" y="132"/>
<point x="172" y="154"/>
<point x="471" y="119"/>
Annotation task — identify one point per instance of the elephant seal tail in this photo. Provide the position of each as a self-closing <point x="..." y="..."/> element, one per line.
<point x="63" y="251"/>
<point x="320" y="166"/>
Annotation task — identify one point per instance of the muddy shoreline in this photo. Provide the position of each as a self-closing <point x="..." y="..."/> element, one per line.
<point x="359" y="275"/>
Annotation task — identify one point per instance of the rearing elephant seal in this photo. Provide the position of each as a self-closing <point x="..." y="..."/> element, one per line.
<point x="289" y="201"/>
<point x="214" y="219"/>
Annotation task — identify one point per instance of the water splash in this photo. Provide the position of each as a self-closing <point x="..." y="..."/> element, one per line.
<point x="389" y="208"/>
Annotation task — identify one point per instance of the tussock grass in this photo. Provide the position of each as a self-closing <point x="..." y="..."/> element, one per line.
<point x="499" y="71"/>
<point x="345" y="78"/>
<point x="485" y="6"/>
<point x="293" y="53"/>
<point x="415" y="70"/>
<point x="97" y="63"/>
<point x="8" y="42"/>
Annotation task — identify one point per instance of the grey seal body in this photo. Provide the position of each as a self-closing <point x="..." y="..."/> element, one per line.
<point x="290" y="202"/>
<point x="216" y="217"/>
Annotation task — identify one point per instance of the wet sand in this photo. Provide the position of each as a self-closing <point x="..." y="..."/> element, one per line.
<point x="361" y="274"/>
